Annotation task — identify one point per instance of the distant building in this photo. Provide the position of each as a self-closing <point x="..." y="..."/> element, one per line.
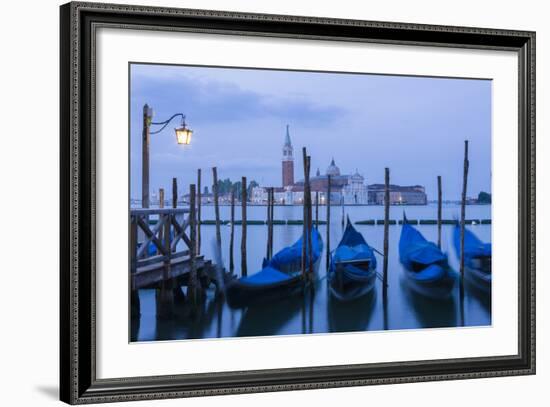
<point x="288" y="161"/>
<point x="399" y="195"/>
<point x="349" y="189"/>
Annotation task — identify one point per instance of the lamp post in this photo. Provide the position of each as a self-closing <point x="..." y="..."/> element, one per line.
<point x="183" y="136"/>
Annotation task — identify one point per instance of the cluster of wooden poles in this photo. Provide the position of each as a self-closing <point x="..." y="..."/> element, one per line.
<point x="307" y="260"/>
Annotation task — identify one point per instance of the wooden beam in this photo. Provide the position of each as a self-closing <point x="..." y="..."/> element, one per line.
<point x="151" y="236"/>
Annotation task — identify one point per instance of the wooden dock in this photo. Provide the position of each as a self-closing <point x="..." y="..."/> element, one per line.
<point x="160" y="257"/>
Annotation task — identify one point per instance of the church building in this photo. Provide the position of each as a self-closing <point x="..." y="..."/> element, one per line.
<point x="349" y="189"/>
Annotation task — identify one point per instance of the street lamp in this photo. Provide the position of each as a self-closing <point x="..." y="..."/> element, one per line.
<point x="183" y="136"/>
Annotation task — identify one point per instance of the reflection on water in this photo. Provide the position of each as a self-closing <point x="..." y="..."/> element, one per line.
<point x="316" y="311"/>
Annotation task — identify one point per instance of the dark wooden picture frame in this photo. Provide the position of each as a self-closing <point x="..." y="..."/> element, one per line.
<point x="78" y="381"/>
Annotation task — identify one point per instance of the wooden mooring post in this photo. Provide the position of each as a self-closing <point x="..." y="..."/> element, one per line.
<point x="161" y="198"/>
<point x="343" y="214"/>
<point x="217" y="208"/>
<point x="386" y="245"/>
<point x="244" y="272"/>
<point x="328" y="222"/>
<point x="174" y="192"/>
<point x="199" y="202"/>
<point x="193" y="291"/>
<point x="309" y="222"/>
<point x="268" y="223"/>
<point x="135" y="306"/>
<point x="271" y="224"/>
<point x="232" y="233"/>
<point x="439" y="210"/>
<point x="307" y="258"/>
<point x="386" y="228"/>
<point x="165" y="297"/>
<point x="161" y="206"/>
<point x="463" y="207"/>
<point x="317" y="209"/>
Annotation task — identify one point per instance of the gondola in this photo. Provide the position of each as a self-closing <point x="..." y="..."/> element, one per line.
<point x="477" y="258"/>
<point x="352" y="271"/>
<point x="426" y="267"/>
<point x="280" y="277"/>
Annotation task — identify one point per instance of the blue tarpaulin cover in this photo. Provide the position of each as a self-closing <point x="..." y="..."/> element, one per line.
<point x="353" y="247"/>
<point x="473" y="246"/>
<point x="267" y="275"/>
<point x="417" y="253"/>
<point x="292" y="254"/>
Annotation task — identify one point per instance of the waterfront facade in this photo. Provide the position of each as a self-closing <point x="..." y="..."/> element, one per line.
<point x="399" y="195"/>
<point x="349" y="189"/>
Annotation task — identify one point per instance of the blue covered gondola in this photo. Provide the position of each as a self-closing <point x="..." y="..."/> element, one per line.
<point x="426" y="266"/>
<point x="477" y="258"/>
<point x="352" y="271"/>
<point x="279" y="277"/>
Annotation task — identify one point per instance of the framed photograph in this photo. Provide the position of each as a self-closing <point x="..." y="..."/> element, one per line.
<point x="255" y="203"/>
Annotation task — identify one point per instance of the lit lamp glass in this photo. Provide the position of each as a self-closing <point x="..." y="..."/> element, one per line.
<point x="183" y="135"/>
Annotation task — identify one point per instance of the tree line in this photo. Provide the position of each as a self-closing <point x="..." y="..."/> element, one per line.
<point x="225" y="186"/>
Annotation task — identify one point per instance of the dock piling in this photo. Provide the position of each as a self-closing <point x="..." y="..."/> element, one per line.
<point x="268" y="223"/>
<point x="174" y="192"/>
<point x="463" y="207"/>
<point x="343" y="214"/>
<point x="232" y="233"/>
<point x="217" y="208"/>
<point x="304" y="216"/>
<point x="244" y="272"/>
<point x="161" y="198"/>
<point x="271" y="221"/>
<point x="165" y="299"/>
<point x="386" y="228"/>
<point x="309" y="221"/>
<point x="317" y="209"/>
<point x="192" y="292"/>
<point x="439" y="210"/>
<point x="161" y="205"/>
<point x="135" y="307"/>
<point x="199" y="202"/>
<point x="328" y="222"/>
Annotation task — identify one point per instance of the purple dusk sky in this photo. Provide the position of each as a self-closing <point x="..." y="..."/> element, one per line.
<point x="415" y="126"/>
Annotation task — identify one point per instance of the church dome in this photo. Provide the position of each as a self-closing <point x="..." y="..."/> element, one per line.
<point x="357" y="177"/>
<point x="333" y="170"/>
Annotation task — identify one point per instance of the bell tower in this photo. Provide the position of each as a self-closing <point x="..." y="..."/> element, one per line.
<point x="288" y="161"/>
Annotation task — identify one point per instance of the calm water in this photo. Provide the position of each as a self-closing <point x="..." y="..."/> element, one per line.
<point x="316" y="313"/>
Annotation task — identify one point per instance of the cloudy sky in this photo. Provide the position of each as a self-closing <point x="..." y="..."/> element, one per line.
<point x="415" y="126"/>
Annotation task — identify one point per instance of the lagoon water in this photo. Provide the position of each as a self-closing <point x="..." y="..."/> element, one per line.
<point x="316" y="312"/>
